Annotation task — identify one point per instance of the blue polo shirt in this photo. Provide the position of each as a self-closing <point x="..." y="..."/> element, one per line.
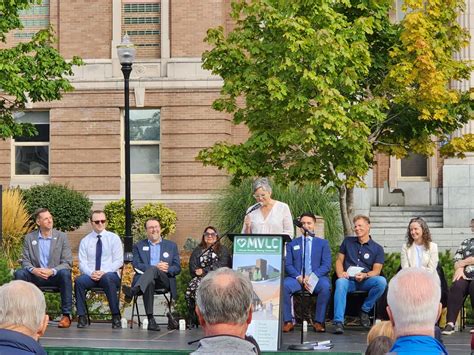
<point x="364" y="255"/>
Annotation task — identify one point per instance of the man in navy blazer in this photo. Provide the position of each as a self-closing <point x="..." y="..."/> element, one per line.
<point x="317" y="261"/>
<point x="156" y="262"/>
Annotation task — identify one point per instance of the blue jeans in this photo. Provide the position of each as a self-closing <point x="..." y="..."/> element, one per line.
<point x="374" y="285"/>
<point x="110" y="282"/>
<point x="62" y="279"/>
<point x="322" y="290"/>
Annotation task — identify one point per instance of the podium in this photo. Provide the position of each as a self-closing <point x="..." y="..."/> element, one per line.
<point x="260" y="257"/>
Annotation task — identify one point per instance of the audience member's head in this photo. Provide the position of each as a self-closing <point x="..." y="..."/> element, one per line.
<point x="383" y="328"/>
<point x="414" y="302"/>
<point x="224" y="302"/>
<point x="379" y="345"/>
<point x="23" y="309"/>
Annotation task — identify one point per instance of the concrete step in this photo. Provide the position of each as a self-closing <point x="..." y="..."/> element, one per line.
<point x="406" y="208"/>
<point x="409" y="214"/>
<point x="397" y="223"/>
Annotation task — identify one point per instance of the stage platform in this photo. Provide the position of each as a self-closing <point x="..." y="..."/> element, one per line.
<point x="100" y="338"/>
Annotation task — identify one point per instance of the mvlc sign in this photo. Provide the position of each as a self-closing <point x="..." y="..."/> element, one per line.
<point x="257" y="244"/>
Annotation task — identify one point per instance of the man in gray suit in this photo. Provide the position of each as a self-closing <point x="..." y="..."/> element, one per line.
<point x="47" y="261"/>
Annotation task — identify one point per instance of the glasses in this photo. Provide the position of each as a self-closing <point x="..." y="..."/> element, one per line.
<point x="99" y="221"/>
<point x="153" y="227"/>
<point x="211" y="235"/>
<point x="260" y="195"/>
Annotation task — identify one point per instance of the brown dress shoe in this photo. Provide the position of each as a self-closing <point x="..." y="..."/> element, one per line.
<point x="65" y="322"/>
<point x="288" y="327"/>
<point x="318" y="327"/>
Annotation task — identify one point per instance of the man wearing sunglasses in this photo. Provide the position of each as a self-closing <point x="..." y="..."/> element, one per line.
<point x="156" y="262"/>
<point x="100" y="258"/>
<point x="47" y="260"/>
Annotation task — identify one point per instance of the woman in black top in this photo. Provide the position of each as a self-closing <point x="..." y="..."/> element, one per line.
<point x="202" y="261"/>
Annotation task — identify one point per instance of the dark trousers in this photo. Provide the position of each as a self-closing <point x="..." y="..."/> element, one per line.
<point x="110" y="282"/>
<point x="459" y="289"/>
<point x="152" y="278"/>
<point x="62" y="279"/>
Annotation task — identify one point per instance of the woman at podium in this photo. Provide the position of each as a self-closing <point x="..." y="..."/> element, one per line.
<point x="267" y="216"/>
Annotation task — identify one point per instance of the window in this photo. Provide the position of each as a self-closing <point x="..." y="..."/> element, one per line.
<point x="32" y="153"/>
<point x="414" y="166"/>
<point x="145" y="141"/>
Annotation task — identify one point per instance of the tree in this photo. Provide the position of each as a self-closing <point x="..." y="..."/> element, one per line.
<point x="32" y="70"/>
<point x="324" y="85"/>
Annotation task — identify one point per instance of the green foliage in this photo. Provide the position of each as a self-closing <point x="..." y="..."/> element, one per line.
<point x="182" y="282"/>
<point x="31" y="70"/>
<point x="115" y="212"/>
<point x="391" y="265"/>
<point x="227" y="209"/>
<point x="5" y="271"/>
<point x="447" y="263"/>
<point x="15" y="225"/>
<point x="324" y="85"/>
<point x="69" y="208"/>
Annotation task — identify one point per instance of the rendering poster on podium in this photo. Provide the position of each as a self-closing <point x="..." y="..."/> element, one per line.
<point x="260" y="257"/>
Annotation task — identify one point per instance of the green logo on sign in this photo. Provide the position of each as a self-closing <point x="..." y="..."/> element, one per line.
<point x="257" y="244"/>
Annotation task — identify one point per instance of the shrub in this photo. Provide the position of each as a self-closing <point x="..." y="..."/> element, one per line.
<point x="182" y="281"/>
<point x="5" y="271"/>
<point x="69" y="208"/>
<point x="15" y="224"/>
<point x="115" y="212"/>
<point x="229" y="208"/>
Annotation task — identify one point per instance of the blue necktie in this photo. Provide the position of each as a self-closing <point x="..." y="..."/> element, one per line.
<point x="98" y="252"/>
<point x="307" y="260"/>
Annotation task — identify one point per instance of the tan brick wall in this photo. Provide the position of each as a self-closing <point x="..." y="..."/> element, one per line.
<point x="84" y="28"/>
<point x="189" y="22"/>
<point x="5" y="162"/>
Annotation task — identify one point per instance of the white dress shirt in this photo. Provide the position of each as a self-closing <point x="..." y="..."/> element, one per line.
<point x="278" y="221"/>
<point x="112" y="252"/>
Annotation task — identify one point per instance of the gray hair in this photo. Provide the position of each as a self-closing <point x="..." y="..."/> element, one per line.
<point x="21" y="304"/>
<point x="263" y="184"/>
<point x="224" y="296"/>
<point x="414" y="296"/>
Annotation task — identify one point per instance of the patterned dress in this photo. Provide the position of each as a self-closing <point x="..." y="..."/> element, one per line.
<point x="465" y="250"/>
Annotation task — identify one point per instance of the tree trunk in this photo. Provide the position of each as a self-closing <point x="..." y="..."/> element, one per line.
<point x="344" y="194"/>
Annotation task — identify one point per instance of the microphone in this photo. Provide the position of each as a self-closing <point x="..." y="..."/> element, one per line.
<point x="298" y="223"/>
<point x="254" y="207"/>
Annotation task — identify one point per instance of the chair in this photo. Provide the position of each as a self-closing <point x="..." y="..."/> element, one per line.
<point x="100" y="291"/>
<point x="307" y="309"/>
<point x="158" y="292"/>
<point x="463" y="317"/>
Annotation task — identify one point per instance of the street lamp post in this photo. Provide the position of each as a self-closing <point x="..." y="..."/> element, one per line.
<point x="126" y="53"/>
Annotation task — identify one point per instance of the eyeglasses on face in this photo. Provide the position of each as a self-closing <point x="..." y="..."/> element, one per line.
<point x="211" y="235"/>
<point x="153" y="227"/>
<point x="99" y="221"/>
<point x="260" y="195"/>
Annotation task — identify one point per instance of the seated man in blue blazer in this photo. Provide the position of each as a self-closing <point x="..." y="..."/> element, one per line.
<point x="156" y="262"/>
<point x="317" y="261"/>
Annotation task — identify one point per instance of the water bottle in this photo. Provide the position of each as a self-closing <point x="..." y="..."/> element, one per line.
<point x="305" y="326"/>
<point x="145" y="324"/>
<point x="182" y="324"/>
<point x="124" y="323"/>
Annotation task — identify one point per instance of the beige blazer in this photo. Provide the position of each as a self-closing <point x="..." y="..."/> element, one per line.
<point x="429" y="259"/>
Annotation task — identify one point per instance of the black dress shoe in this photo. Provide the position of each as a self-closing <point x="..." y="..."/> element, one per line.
<point x="172" y="323"/>
<point x="116" y="323"/>
<point x="129" y="293"/>
<point x="152" y="325"/>
<point x="82" y="322"/>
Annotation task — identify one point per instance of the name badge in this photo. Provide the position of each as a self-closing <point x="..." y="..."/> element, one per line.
<point x="296" y="247"/>
<point x="165" y="254"/>
<point x="146" y="248"/>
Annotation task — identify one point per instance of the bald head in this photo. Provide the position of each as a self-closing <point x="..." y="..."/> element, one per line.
<point x="224" y="296"/>
<point x="22" y="305"/>
<point x="413" y="298"/>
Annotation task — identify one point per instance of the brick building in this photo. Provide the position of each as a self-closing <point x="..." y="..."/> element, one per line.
<point x="81" y="137"/>
<point x="81" y="141"/>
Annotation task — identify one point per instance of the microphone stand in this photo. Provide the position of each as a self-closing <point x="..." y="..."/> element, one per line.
<point x="303" y="346"/>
